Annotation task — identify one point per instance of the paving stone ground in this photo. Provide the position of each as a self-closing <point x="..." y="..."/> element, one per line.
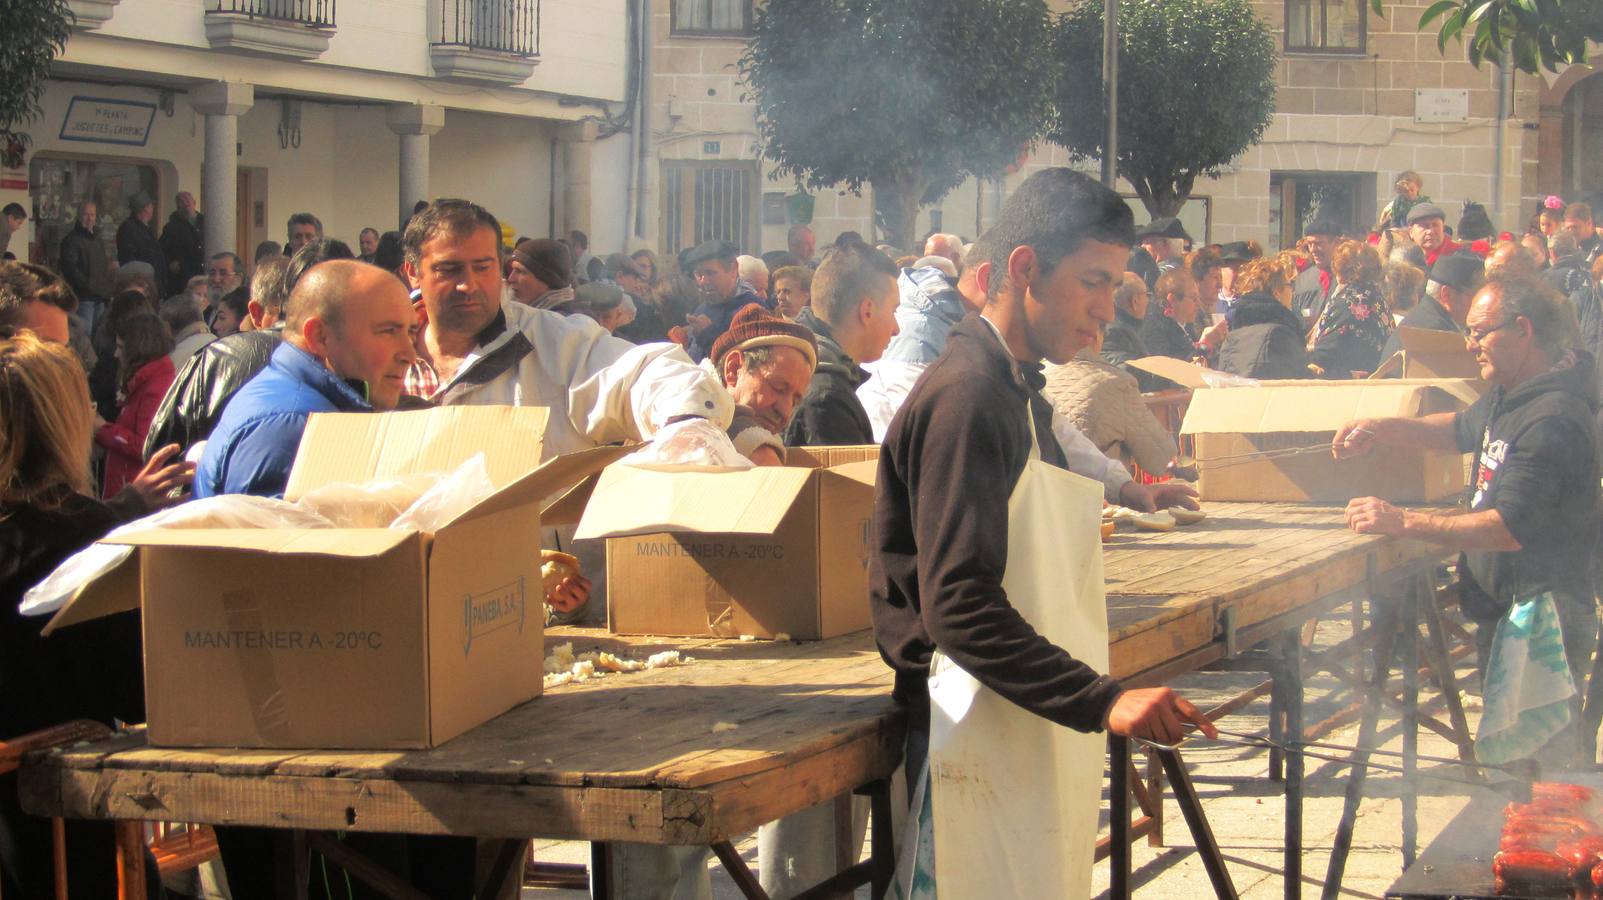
<point x="1245" y="809"/>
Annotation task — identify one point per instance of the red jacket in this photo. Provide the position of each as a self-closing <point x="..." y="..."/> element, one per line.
<point x="124" y="439"/>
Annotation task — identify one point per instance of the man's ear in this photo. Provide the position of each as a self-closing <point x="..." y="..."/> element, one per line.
<point x="258" y="313"/>
<point x="315" y="334"/>
<point x="730" y="368"/>
<point x="1022" y="266"/>
<point x="409" y="269"/>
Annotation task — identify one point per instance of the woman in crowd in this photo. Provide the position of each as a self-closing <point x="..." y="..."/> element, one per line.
<point x="104" y="381"/>
<point x="1163" y="332"/>
<point x="88" y="671"/>
<point x="233" y="313"/>
<point x="1207" y="267"/>
<point x="1265" y="339"/>
<point x="1402" y="285"/>
<point x="1347" y="340"/>
<point x="145" y="371"/>
<point x="1264" y="294"/>
<point x="793" y="290"/>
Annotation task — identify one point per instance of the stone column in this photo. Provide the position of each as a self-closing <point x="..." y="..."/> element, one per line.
<point x="222" y="103"/>
<point x="414" y="124"/>
<point x="576" y="141"/>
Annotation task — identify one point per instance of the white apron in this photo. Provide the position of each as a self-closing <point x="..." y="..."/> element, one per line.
<point x="1014" y="797"/>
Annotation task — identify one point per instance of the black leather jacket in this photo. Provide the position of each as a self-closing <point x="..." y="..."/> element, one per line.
<point x="204" y="385"/>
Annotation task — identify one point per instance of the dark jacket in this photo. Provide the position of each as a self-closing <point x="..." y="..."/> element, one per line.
<point x="1308" y="295"/>
<point x="1261" y="309"/>
<point x="721" y="313"/>
<point x="216" y="372"/>
<point x="830" y="413"/>
<point x="84" y="266"/>
<point x="650" y="324"/>
<point x="939" y="543"/>
<point x="254" y="444"/>
<point x="183" y="244"/>
<point x="137" y="241"/>
<point x="1537" y="464"/>
<point x="1351" y="331"/>
<point x="1429" y="315"/>
<point x="1264" y="350"/>
<point x="1123" y="343"/>
<point x="1163" y="336"/>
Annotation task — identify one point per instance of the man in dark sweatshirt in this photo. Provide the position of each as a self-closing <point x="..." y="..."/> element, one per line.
<point x="853" y="313"/>
<point x="957" y="448"/>
<point x="1533" y="519"/>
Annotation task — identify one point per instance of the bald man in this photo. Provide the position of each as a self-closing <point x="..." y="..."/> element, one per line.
<point x="947" y="245"/>
<point x="349" y="332"/>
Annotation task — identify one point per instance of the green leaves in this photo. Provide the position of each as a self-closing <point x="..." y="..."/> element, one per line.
<point x="34" y="32"/>
<point x="1529" y="34"/>
<point x="1196" y="88"/>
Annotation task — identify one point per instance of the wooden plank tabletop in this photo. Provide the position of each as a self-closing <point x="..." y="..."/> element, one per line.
<point x="745" y="733"/>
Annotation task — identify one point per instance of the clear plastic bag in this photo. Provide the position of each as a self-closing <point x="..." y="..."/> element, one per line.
<point x="1215" y="379"/>
<point x="451" y="495"/>
<point x="691" y="442"/>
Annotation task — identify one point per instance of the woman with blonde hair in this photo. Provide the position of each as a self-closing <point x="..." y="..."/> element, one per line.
<point x="1351" y="332"/>
<point x="89" y="671"/>
<point x="1264" y="287"/>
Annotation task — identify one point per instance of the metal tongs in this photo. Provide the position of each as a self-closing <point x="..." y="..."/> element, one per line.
<point x="1521" y="772"/>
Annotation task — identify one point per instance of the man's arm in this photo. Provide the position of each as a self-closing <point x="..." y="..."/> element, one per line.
<point x="1085" y="458"/>
<point x="1484" y="530"/>
<point x="619" y="391"/>
<point x="1361" y="436"/>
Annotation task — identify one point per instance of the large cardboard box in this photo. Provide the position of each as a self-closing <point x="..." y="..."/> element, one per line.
<point x="1272" y="442"/>
<point x="766" y="552"/>
<point x="1430" y="354"/>
<point x="372" y="638"/>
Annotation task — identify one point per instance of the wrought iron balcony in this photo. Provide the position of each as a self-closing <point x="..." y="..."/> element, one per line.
<point x="487" y="40"/>
<point x="294" y="28"/>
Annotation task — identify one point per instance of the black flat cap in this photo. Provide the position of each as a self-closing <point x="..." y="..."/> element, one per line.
<point x="1235" y="251"/>
<point x="1460" y="271"/>
<point x="1168" y="227"/>
<point x="723" y="250"/>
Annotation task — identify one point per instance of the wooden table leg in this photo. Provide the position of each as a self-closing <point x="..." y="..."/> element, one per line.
<point x="1441" y="662"/>
<point x="1185" y="794"/>
<point x="749" y="887"/>
<point x="368" y="872"/>
<point x="1119" y="809"/>
<point x="503" y="878"/>
<point x="601" y="871"/>
<point x="1287" y="655"/>
<point x="130" y="860"/>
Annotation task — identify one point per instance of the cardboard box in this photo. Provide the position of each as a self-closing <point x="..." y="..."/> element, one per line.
<point x="1430" y="354"/>
<point x="1271" y="442"/>
<point x="370" y="638"/>
<point x="766" y="551"/>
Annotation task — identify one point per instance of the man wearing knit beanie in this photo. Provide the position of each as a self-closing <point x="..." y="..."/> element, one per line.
<point x="766" y="364"/>
<point x="540" y="273"/>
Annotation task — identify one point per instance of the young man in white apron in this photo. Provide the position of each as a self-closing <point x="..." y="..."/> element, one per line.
<point x="985" y="581"/>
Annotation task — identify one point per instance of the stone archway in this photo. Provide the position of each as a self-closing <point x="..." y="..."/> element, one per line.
<point x="1570" y="159"/>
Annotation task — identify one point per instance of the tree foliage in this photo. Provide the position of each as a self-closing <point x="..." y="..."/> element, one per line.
<point x="33" y="31"/>
<point x="910" y="96"/>
<point x="1196" y="88"/>
<point x="1530" y="34"/>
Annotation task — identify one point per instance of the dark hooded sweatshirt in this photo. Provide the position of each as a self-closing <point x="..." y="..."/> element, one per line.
<point x="1537" y="464"/>
<point x="830" y="415"/>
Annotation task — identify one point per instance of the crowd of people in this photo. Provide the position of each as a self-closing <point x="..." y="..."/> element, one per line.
<point x="127" y="387"/>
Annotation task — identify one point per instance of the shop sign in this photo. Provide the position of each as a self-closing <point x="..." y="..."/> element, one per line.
<point x="103" y="121"/>
<point x="1436" y="105"/>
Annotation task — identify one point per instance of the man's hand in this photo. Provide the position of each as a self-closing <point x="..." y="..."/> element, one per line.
<point x="157" y="481"/>
<point x="569" y="594"/>
<point x="1156" y="714"/>
<point x="1355" y="438"/>
<point x="1372" y="515"/>
<point x="1170" y="493"/>
<point x="697" y="323"/>
<point x="1214" y="335"/>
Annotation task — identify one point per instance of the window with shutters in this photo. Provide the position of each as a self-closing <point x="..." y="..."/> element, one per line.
<point x="712" y="17"/>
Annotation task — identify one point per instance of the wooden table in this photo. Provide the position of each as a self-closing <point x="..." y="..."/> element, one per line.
<point x="647" y="757"/>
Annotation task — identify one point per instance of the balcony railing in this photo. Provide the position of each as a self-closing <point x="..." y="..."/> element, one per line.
<point x="504" y="26"/>
<point x="314" y="13"/>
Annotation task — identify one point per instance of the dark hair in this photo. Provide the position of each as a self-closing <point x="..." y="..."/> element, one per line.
<point x="365" y="231"/>
<point x="580" y="238"/>
<point x="23" y="283"/>
<point x="15" y="211"/>
<point x="124" y="304"/>
<point x="180" y="312"/>
<point x="851" y="274"/>
<point x="310" y="254"/>
<point x="236" y="301"/>
<point x="1579" y="211"/>
<point x="1055" y="211"/>
<point x="145" y="338"/>
<point x="454" y="217"/>
<point x="1474" y="224"/>
<point x="389" y="254"/>
<point x="304" y="218"/>
<point x="267" y="250"/>
<point x="779" y="259"/>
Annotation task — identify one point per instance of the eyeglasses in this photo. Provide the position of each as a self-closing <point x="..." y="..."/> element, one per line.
<point x="1479" y="335"/>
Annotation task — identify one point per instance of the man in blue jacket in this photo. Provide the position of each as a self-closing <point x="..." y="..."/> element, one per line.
<point x="348" y="342"/>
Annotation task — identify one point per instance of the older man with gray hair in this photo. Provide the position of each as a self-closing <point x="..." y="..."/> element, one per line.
<point x="754" y="272"/>
<point x="947" y="245"/>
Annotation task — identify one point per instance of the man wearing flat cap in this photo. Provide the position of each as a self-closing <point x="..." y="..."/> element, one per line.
<point x="1449" y="290"/>
<point x="1427" y="225"/>
<point x="137" y="241"/>
<point x="713" y="266"/>
<point x="1312" y="287"/>
<point x="766" y="364"/>
<point x="1232" y="257"/>
<point x="1158" y="240"/>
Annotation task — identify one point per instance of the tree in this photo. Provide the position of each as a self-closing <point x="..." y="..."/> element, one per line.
<point x="35" y="31"/>
<point x="1196" y="87"/>
<point x="1530" y="34"/>
<point x="910" y="96"/>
